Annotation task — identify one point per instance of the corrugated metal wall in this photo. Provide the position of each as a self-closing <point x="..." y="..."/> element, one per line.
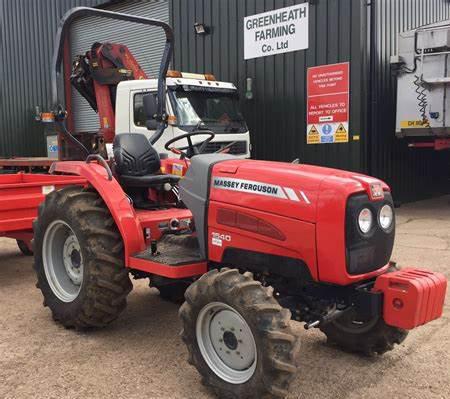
<point x="340" y="30"/>
<point x="276" y="115"/>
<point x="27" y="34"/>
<point x="413" y="173"/>
<point x="145" y="43"/>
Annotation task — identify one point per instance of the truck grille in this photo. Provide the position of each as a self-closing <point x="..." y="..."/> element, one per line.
<point x="238" y="148"/>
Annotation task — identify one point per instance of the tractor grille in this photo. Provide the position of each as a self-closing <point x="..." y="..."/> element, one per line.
<point x="367" y="253"/>
<point x="238" y="148"/>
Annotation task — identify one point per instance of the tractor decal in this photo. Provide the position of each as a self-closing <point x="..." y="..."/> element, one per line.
<point x="254" y="187"/>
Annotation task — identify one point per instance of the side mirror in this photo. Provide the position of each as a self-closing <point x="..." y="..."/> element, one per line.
<point x="151" y="110"/>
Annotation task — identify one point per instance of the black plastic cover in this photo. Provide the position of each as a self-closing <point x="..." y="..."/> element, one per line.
<point x="371" y="251"/>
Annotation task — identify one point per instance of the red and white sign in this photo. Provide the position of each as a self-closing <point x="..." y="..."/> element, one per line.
<point x="328" y="103"/>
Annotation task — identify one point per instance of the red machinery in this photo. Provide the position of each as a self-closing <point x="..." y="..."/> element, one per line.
<point x="20" y="196"/>
<point x="257" y="244"/>
<point x="95" y="76"/>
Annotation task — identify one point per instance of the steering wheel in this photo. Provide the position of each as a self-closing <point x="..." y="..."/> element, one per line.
<point x="192" y="149"/>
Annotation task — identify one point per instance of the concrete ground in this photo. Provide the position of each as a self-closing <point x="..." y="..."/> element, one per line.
<point x="142" y="356"/>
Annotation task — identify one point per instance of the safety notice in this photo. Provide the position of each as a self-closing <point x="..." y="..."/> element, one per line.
<point x="328" y="104"/>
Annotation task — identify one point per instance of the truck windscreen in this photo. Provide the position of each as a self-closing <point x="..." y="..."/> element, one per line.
<point x="217" y="111"/>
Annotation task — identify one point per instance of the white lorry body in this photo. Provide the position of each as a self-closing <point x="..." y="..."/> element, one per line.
<point x="192" y="104"/>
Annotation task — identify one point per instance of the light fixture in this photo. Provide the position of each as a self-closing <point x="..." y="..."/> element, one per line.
<point x="386" y="217"/>
<point x="365" y="220"/>
<point x="201" y="28"/>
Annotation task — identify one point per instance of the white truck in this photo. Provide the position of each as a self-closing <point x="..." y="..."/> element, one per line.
<point x="194" y="101"/>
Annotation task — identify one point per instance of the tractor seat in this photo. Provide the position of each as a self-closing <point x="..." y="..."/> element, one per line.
<point x="137" y="163"/>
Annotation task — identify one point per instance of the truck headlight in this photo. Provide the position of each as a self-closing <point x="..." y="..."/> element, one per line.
<point x="365" y="220"/>
<point x="385" y="217"/>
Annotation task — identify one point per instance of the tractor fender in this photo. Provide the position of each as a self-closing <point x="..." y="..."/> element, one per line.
<point x="115" y="199"/>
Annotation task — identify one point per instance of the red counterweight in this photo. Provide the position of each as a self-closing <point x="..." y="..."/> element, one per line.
<point x="412" y="297"/>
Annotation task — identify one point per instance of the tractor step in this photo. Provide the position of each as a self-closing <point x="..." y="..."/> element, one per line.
<point x="174" y="250"/>
<point x="177" y="256"/>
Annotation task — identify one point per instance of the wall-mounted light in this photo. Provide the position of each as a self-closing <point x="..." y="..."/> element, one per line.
<point x="201" y="28"/>
<point x="249" y="89"/>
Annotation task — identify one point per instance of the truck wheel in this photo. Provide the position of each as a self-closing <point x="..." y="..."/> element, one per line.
<point x="368" y="337"/>
<point x="79" y="259"/>
<point x="25" y="247"/>
<point x="238" y="336"/>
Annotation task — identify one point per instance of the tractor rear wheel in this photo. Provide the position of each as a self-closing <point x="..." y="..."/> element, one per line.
<point x="369" y="337"/>
<point x="79" y="259"/>
<point x="238" y="336"/>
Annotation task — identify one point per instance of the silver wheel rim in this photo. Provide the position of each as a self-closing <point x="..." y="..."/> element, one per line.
<point x="226" y="343"/>
<point x="63" y="261"/>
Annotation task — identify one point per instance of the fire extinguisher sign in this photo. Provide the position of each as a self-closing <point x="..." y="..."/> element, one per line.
<point x="328" y="104"/>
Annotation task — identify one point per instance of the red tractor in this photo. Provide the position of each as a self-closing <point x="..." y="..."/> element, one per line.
<point x="250" y="244"/>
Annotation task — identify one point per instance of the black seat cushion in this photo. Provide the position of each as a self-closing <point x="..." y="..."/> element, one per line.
<point x="134" y="155"/>
<point x="137" y="162"/>
<point x="149" y="180"/>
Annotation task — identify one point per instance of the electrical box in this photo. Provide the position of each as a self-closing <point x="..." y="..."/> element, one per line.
<point x="422" y="67"/>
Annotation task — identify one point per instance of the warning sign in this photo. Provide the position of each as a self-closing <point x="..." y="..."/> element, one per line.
<point x="328" y="104"/>
<point x="313" y="136"/>
<point x="341" y="135"/>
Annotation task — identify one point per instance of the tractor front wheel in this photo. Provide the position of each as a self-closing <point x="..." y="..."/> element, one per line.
<point x="364" y="336"/>
<point x="79" y="259"/>
<point x="238" y="336"/>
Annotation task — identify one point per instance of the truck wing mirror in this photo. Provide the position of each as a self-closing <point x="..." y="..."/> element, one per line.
<point x="150" y="101"/>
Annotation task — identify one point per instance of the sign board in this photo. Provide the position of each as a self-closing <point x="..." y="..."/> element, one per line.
<point x="275" y="32"/>
<point x="328" y="104"/>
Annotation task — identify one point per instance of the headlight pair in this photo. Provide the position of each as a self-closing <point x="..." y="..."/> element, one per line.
<point x="385" y="218"/>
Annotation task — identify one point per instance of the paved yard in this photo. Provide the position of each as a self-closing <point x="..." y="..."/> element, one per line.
<point x="141" y="355"/>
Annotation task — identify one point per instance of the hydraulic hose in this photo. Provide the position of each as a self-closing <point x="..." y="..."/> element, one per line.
<point x="69" y="136"/>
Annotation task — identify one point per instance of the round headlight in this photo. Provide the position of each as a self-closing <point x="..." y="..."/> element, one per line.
<point x="365" y="220"/>
<point x="386" y="217"/>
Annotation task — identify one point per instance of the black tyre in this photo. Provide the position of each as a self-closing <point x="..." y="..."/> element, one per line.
<point x="173" y="292"/>
<point x="238" y="336"/>
<point x="368" y="337"/>
<point x="25" y="248"/>
<point x="79" y="259"/>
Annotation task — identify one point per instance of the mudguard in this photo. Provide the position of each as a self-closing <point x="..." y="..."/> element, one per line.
<point x="115" y="199"/>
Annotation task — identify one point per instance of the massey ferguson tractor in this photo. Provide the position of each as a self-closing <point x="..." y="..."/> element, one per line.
<point x="251" y="244"/>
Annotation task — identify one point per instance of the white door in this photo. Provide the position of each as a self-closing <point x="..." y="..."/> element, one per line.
<point x="138" y="117"/>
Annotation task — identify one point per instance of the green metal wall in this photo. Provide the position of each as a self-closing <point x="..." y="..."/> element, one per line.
<point x="276" y="115"/>
<point x="27" y="34"/>
<point x="359" y="31"/>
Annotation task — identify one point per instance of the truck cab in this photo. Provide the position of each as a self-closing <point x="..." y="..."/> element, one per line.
<point x="194" y="102"/>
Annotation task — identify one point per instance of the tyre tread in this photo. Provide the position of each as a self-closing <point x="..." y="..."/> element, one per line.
<point x="106" y="289"/>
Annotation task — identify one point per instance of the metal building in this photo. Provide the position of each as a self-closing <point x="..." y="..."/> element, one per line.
<point x="361" y="32"/>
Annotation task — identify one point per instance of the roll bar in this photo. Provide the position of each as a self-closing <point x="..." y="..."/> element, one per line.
<point x="61" y="34"/>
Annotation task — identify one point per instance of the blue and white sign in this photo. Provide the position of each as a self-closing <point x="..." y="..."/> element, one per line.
<point x="327" y="129"/>
<point x="275" y="32"/>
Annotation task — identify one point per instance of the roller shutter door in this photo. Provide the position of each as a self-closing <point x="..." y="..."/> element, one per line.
<point x="145" y="43"/>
